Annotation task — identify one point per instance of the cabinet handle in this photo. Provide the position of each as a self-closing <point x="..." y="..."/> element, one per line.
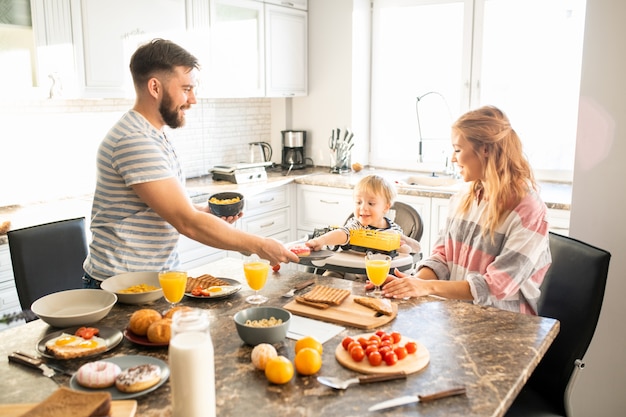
<point x="266" y="201"/>
<point x="287" y="3"/>
<point x="329" y="202"/>
<point x="267" y="225"/>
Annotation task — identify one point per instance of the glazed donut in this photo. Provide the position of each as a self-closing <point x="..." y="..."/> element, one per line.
<point x="138" y="378"/>
<point x="99" y="374"/>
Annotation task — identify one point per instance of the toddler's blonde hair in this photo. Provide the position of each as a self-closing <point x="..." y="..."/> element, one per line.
<point x="377" y="185"/>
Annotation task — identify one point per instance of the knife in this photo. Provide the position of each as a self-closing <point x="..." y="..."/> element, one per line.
<point x="409" y="399"/>
<point x="19" y="357"/>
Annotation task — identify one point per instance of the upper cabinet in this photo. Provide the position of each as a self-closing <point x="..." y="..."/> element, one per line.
<point x="286" y="52"/>
<point x="237" y="65"/>
<point x="106" y="33"/>
<point x="296" y="4"/>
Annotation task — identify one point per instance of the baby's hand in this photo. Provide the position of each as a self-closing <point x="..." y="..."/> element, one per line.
<point x="314" y="244"/>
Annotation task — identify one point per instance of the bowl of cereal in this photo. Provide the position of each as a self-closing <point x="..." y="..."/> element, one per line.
<point x="226" y="204"/>
<point x="257" y="325"/>
<point x="134" y="287"/>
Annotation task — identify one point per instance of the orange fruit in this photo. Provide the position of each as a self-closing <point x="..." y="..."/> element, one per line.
<point x="309" y="342"/>
<point x="279" y="370"/>
<point x="308" y="361"/>
<point x="261" y="354"/>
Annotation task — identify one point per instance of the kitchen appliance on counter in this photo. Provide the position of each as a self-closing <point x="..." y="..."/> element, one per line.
<point x="260" y="152"/>
<point x="293" y="149"/>
<point x="241" y="173"/>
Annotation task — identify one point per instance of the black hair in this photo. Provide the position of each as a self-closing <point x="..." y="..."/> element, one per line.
<point x="159" y="55"/>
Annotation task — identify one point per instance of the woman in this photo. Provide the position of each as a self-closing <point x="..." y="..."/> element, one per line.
<point x="494" y="248"/>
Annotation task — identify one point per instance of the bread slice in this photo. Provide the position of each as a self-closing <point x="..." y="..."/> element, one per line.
<point x="381" y="305"/>
<point x="203" y="281"/>
<point x="321" y="306"/>
<point x="327" y="295"/>
<point x="66" y="402"/>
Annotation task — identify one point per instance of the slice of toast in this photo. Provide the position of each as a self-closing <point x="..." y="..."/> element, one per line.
<point x="203" y="281"/>
<point x="381" y="305"/>
<point x="321" y="306"/>
<point x="326" y="295"/>
<point x="65" y="402"/>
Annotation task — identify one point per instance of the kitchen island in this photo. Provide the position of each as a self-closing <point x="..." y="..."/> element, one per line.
<point x="489" y="351"/>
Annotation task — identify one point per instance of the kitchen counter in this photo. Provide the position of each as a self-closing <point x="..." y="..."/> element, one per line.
<point x="491" y="352"/>
<point x="556" y="195"/>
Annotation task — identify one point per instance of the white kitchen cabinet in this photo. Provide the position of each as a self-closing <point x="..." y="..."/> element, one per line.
<point x="286" y="51"/>
<point x="319" y="207"/>
<point x="237" y="63"/>
<point x="194" y="254"/>
<point x="423" y="206"/>
<point x="106" y="34"/>
<point x="296" y="4"/>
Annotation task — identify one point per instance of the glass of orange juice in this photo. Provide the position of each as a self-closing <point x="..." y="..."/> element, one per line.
<point x="377" y="267"/>
<point x="256" y="272"/>
<point x="173" y="284"/>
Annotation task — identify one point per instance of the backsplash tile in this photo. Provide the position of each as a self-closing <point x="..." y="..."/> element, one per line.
<point x="48" y="148"/>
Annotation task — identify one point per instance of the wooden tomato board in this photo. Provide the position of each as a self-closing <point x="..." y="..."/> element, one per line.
<point x="414" y="362"/>
<point x="121" y="408"/>
<point x="348" y="313"/>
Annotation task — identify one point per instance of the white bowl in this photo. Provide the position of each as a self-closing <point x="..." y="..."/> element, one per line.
<point x="120" y="282"/>
<point x="74" y="307"/>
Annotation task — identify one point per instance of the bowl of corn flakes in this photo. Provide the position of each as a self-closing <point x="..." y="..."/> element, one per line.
<point x="226" y="204"/>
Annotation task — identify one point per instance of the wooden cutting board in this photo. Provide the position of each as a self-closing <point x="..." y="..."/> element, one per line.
<point x="348" y="313"/>
<point x="122" y="408"/>
<point x="414" y="362"/>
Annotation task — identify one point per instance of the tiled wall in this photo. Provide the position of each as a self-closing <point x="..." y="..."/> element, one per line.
<point x="48" y="148"/>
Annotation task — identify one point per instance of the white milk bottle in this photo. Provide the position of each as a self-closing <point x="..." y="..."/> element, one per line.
<point x="192" y="371"/>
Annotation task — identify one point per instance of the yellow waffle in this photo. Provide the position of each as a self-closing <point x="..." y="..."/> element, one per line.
<point x="203" y="281"/>
<point x="326" y="295"/>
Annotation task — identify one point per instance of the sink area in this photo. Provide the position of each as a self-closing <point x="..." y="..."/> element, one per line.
<point x="429" y="180"/>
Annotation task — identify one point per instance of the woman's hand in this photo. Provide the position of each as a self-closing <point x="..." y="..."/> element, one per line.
<point x="401" y="285"/>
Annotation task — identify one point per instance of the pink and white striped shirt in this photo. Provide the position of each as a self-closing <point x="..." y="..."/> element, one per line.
<point x="506" y="273"/>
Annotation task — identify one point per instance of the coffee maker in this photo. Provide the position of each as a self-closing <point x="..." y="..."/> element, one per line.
<point x="293" y="149"/>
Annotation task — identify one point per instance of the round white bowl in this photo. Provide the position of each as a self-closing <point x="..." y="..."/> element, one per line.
<point x="74" y="307"/>
<point x="120" y="282"/>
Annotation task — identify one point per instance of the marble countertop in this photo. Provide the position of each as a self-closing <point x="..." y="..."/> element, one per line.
<point x="489" y="351"/>
<point x="556" y="195"/>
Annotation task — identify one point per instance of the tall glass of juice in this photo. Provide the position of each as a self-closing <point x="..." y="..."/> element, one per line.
<point x="256" y="272"/>
<point x="377" y="267"/>
<point x="173" y="284"/>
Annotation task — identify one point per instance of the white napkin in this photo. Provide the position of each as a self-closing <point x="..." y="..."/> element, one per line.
<point x="321" y="331"/>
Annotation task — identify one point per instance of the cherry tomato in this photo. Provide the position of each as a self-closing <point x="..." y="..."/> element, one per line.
<point x="380" y="333"/>
<point x="87" y="332"/>
<point x="387" y="337"/>
<point x="401" y="352"/>
<point x="346" y="341"/>
<point x="411" y="347"/>
<point x="276" y="268"/>
<point x="363" y="342"/>
<point x="371" y="348"/>
<point x="391" y="358"/>
<point x="384" y="349"/>
<point x="387" y="342"/>
<point x="353" y="344"/>
<point x="375" y="337"/>
<point x="396" y="337"/>
<point x="357" y="353"/>
<point x="375" y="358"/>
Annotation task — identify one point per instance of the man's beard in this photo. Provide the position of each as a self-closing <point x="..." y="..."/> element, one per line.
<point x="171" y="115"/>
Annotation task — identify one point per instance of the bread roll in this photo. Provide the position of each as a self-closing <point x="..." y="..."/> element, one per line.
<point x="160" y="331"/>
<point x="170" y="313"/>
<point x="142" y="319"/>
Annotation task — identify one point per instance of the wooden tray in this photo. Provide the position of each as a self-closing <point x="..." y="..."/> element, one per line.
<point x="121" y="408"/>
<point x="414" y="362"/>
<point x="348" y="313"/>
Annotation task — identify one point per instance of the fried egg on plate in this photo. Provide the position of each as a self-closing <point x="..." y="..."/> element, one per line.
<point x="68" y="345"/>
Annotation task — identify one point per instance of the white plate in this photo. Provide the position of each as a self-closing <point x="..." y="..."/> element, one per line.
<point x="111" y="336"/>
<point x="234" y="286"/>
<point x="126" y="362"/>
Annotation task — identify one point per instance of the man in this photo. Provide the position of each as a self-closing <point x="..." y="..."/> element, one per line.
<point x="140" y="205"/>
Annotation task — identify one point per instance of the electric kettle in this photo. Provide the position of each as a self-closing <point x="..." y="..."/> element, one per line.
<point x="260" y="152"/>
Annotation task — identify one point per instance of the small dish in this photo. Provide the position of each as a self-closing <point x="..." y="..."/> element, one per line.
<point x="234" y="286"/>
<point x="126" y="362"/>
<point x="142" y="340"/>
<point x="111" y="336"/>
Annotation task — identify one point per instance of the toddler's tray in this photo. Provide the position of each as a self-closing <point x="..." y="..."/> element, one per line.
<point x="354" y="263"/>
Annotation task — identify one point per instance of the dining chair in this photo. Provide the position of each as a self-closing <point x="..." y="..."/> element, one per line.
<point x="47" y="258"/>
<point x="572" y="292"/>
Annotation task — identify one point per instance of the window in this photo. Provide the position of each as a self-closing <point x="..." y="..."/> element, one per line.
<point x="435" y="59"/>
